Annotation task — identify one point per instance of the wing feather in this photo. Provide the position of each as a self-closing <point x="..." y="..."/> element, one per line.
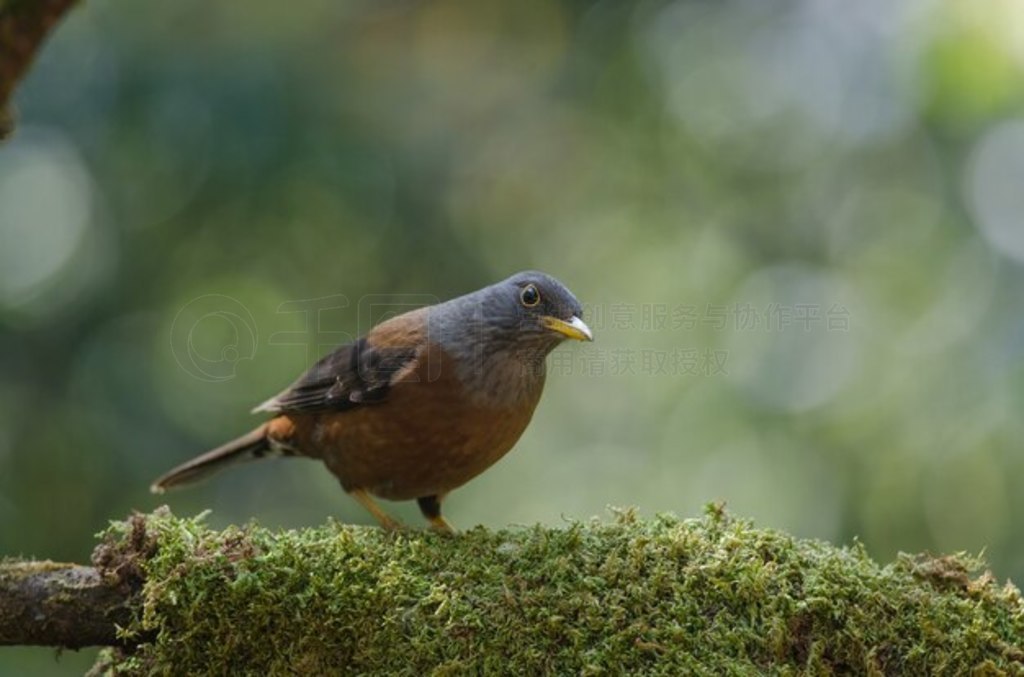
<point x="356" y="373"/>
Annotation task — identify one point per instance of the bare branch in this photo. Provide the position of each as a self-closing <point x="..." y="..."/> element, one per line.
<point x="65" y="605"/>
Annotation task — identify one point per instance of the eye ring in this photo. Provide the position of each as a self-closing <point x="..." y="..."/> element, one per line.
<point x="529" y="296"/>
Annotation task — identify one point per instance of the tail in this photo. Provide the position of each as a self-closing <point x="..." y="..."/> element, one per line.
<point x="248" y="447"/>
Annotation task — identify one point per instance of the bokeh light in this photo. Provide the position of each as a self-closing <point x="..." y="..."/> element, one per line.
<point x="994" y="187"/>
<point x="46" y="206"/>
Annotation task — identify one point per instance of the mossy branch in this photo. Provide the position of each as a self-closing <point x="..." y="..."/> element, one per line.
<point x="24" y="25"/>
<point x="710" y="595"/>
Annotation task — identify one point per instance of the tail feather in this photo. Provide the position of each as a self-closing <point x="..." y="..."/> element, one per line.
<point x="249" y="447"/>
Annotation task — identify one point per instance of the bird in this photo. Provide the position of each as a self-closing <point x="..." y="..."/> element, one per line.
<point x="421" y="404"/>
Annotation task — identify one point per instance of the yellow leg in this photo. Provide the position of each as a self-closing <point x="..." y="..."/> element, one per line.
<point x="386" y="521"/>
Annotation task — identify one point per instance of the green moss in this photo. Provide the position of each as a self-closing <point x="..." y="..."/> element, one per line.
<point x="663" y="596"/>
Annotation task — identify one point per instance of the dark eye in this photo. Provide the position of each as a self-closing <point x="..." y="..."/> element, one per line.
<point x="529" y="296"/>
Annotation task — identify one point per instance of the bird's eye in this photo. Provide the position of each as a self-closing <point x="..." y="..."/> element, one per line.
<point x="529" y="296"/>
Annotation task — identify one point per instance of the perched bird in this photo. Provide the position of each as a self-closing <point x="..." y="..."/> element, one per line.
<point x="421" y="404"/>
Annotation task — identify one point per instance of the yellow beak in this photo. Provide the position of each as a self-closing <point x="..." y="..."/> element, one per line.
<point x="575" y="328"/>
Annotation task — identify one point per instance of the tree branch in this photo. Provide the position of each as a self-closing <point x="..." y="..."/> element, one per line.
<point x="24" y="25"/>
<point x="65" y="605"/>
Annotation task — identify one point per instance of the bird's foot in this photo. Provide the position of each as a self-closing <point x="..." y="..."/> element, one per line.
<point x="441" y="525"/>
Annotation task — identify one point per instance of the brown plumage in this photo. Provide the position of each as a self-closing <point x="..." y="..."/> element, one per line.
<point x="423" y="403"/>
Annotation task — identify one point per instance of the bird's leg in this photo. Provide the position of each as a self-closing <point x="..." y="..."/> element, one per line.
<point x="386" y="520"/>
<point x="430" y="506"/>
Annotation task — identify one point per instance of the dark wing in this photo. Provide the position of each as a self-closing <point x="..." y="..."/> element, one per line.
<point x="356" y="373"/>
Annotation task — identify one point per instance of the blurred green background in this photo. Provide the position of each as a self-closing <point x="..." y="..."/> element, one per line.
<point x="797" y="228"/>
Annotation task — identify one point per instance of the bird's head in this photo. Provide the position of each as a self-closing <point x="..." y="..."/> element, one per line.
<point x="543" y="309"/>
<point x="530" y="311"/>
<point x="501" y="334"/>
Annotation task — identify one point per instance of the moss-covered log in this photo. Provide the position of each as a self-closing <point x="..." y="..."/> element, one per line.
<point x="24" y="25"/>
<point x="711" y="595"/>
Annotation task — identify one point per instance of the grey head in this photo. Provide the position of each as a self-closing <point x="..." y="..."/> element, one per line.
<point x="503" y="332"/>
<point x="529" y="309"/>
